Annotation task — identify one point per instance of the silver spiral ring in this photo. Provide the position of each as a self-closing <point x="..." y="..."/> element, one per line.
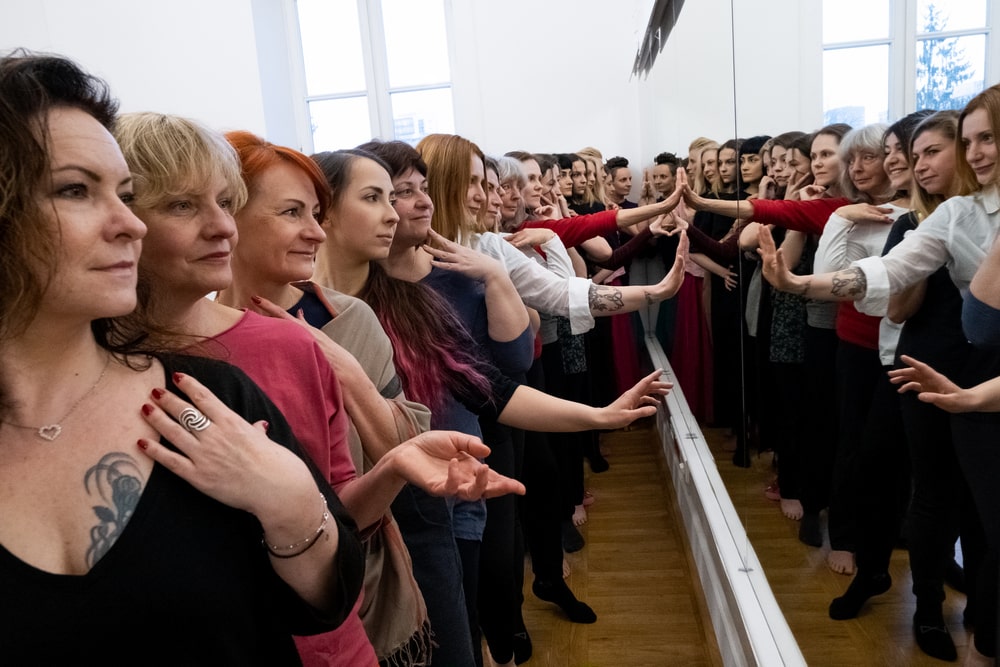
<point x="193" y="420"/>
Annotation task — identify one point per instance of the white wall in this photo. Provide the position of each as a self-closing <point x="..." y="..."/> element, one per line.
<point x="692" y="90"/>
<point x="544" y="76"/>
<point x="547" y="76"/>
<point x="191" y="57"/>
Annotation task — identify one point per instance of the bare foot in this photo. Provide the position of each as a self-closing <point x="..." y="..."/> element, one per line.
<point x="588" y="499"/>
<point x="841" y="562"/>
<point x="567" y="570"/>
<point x="791" y="508"/>
<point x="579" y="515"/>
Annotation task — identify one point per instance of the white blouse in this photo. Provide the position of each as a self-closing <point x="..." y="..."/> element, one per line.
<point x="957" y="235"/>
<point x="844" y="242"/>
<point x="540" y="288"/>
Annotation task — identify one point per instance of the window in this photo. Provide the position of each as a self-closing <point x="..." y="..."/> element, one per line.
<point x="375" y="68"/>
<point x="876" y="70"/>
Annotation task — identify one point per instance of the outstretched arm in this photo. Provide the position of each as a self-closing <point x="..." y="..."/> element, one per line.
<point x="937" y="389"/>
<point x="534" y="410"/>
<point x="630" y="216"/>
<point x="847" y="285"/>
<point x="608" y="300"/>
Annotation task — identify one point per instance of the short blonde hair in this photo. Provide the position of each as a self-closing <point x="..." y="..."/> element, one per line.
<point x="170" y="155"/>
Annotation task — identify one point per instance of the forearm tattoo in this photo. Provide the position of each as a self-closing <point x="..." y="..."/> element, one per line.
<point x="650" y="299"/>
<point x="851" y="282"/>
<point x="804" y="290"/>
<point x="118" y="482"/>
<point x="605" y="299"/>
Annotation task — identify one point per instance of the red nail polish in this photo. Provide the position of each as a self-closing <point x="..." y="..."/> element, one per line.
<point x="142" y="444"/>
<point x="158" y="393"/>
<point x="147" y="409"/>
<point x="256" y="299"/>
<point x="177" y="377"/>
<point x="266" y="426"/>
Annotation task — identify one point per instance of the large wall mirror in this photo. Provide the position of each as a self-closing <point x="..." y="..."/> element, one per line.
<point x="635" y="78"/>
<point x="744" y="68"/>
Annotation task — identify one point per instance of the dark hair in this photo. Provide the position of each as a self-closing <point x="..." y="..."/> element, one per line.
<point x="545" y="161"/>
<point x="752" y="145"/>
<point x="566" y="160"/>
<point x="434" y="352"/>
<point x="336" y="167"/>
<point x="667" y="158"/>
<point x="614" y="164"/>
<point x="31" y="85"/>
<point x="903" y="129"/>
<point x="398" y="155"/>
<point x="787" y="140"/>
<point x="733" y="145"/>
<point x="491" y="165"/>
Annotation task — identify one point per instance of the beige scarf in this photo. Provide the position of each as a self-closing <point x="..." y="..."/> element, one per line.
<point x="393" y="612"/>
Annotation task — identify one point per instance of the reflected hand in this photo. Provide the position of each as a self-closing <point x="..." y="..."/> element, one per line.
<point x="812" y="191"/>
<point x="671" y="283"/>
<point x="773" y="265"/>
<point x="865" y="213"/>
<point x="529" y="237"/>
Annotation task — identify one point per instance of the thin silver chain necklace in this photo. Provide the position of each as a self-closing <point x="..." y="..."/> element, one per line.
<point x="52" y="431"/>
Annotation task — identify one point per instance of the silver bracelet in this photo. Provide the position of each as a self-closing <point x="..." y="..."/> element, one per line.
<point x="302" y="546"/>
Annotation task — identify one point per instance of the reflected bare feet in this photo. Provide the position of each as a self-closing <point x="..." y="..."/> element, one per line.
<point x="791" y="508"/>
<point x="579" y="515"/>
<point x="841" y="562"/>
<point x="566" y="569"/>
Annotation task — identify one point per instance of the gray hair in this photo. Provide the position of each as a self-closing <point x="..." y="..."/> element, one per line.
<point x="867" y="138"/>
<point x="511" y="168"/>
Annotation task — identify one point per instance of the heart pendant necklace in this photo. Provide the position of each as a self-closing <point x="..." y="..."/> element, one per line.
<point x="51" y="431"/>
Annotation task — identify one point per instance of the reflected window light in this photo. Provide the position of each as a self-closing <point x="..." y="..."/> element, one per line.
<point x="950" y="71"/>
<point x="943" y="60"/>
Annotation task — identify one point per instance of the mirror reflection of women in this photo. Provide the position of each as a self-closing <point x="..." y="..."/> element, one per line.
<point x="150" y="514"/>
<point x="958" y="235"/>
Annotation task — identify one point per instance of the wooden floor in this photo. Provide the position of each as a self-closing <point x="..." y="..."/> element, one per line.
<point x="635" y="572"/>
<point x="803" y="585"/>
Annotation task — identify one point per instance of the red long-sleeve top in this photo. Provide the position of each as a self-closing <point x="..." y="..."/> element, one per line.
<point x="810" y="216"/>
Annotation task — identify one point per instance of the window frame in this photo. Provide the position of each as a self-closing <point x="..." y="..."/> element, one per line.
<point x="374" y="56"/>
<point x="902" y="41"/>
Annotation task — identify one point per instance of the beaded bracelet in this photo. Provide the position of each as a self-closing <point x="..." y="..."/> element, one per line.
<point x="305" y="544"/>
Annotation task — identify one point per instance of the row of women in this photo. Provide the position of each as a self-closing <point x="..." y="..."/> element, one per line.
<point x="250" y="479"/>
<point x="870" y="240"/>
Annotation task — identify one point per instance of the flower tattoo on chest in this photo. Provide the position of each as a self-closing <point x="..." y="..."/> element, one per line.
<point x="117" y="482"/>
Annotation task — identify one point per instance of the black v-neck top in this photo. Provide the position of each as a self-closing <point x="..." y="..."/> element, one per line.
<point x="186" y="583"/>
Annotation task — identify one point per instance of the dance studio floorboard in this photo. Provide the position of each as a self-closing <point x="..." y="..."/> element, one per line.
<point x="634" y="571"/>
<point x="804" y="586"/>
